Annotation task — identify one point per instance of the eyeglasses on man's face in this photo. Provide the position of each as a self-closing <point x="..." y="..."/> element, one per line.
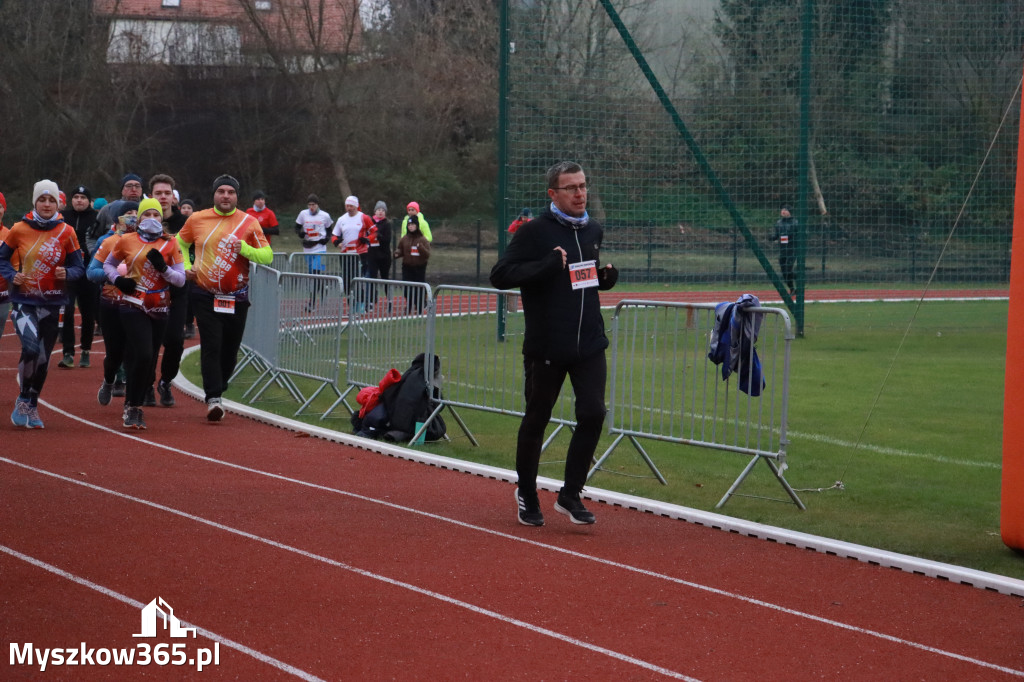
<point x="572" y="189"/>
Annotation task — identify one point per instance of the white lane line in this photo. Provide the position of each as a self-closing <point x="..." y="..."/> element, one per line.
<point x="366" y="574"/>
<point x="261" y="657"/>
<point x="553" y="548"/>
<point x="895" y="452"/>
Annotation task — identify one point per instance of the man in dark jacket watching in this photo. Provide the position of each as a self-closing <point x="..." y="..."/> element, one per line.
<point x="555" y="261"/>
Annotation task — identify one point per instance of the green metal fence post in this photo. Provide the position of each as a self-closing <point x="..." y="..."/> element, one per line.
<point x="506" y="47"/>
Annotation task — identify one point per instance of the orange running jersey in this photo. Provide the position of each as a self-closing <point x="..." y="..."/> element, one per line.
<point x="153" y="293"/>
<point x="40" y="253"/>
<point x="218" y="269"/>
<point x="109" y="293"/>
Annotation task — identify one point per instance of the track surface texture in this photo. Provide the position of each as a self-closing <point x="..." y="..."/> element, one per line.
<point x="299" y="558"/>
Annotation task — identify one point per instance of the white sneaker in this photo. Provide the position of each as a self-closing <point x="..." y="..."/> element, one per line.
<point x="214" y="410"/>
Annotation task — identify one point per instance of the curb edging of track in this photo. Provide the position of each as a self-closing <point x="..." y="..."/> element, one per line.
<point x="839" y="548"/>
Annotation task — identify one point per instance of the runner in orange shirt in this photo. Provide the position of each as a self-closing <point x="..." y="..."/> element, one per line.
<point x="226" y="240"/>
<point x="125" y="218"/>
<point x="153" y="264"/>
<point x="48" y="256"/>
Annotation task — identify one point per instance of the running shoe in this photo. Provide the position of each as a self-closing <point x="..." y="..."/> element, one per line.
<point x="166" y="397"/>
<point x="68" y="362"/>
<point x="34" y="422"/>
<point x="22" y="412"/>
<point x="528" y="509"/>
<point x="150" y="399"/>
<point x="105" y="393"/>
<point x="133" y="418"/>
<point x="84" y="362"/>
<point x="214" y="410"/>
<point x="571" y="506"/>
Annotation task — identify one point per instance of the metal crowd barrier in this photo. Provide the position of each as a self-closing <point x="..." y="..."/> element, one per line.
<point x="333" y="263"/>
<point x="294" y="330"/>
<point x="664" y="386"/>
<point x="259" y="340"/>
<point x="390" y="325"/>
<point x="478" y="334"/>
<point x="280" y="261"/>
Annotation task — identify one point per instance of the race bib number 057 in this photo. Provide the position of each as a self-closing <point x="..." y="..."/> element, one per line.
<point x="583" y="275"/>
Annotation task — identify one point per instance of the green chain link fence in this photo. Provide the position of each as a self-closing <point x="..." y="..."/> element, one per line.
<point x="697" y="119"/>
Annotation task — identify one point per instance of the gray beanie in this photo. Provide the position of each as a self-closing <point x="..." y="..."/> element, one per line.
<point x="381" y="206"/>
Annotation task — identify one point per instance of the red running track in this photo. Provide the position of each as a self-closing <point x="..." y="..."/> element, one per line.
<point x="301" y="558"/>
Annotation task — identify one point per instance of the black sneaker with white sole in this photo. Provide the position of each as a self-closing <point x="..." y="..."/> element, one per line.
<point x="528" y="509"/>
<point x="572" y="506"/>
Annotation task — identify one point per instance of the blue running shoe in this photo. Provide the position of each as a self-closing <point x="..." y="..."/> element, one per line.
<point x="34" y="422"/>
<point x="22" y="412"/>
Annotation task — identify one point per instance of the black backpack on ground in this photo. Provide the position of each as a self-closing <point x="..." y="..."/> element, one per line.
<point x="408" y="402"/>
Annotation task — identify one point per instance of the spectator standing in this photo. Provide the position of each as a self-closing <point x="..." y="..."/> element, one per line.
<point x="555" y="261"/>
<point x="380" y="255"/>
<point x="414" y="250"/>
<point x="785" y="235"/>
<point x="266" y="217"/>
<point x="81" y="292"/>
<point x="153" y="264"/>
<point x="49" y="257"/>
<point x="525" y="216"/>
<point x="226" y="241"/>
<point x="412" y="210"/>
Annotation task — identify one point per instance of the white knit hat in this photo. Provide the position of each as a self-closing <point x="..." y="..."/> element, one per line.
<point x="45" y="187"/>
<point x="352" y="201"/>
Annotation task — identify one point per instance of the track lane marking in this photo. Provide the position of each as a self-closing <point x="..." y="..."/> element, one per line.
<point x="625" y="658"/>
<point x="106" y="591"/>
<point x="535" y="543"/>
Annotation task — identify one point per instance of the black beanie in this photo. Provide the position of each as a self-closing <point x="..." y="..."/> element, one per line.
<point x="225" y="180"/>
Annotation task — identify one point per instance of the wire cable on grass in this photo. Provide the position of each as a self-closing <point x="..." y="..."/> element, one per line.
<point x="910" y="323"/>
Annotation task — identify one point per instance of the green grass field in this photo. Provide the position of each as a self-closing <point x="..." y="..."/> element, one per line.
<point x="916" y="442"/>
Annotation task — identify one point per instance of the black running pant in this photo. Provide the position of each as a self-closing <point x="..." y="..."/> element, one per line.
<point x="143" y="336"/>
<point x="221" y="335"/>
<point x="543" y="383"/>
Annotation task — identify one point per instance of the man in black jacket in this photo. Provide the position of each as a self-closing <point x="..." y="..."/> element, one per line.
<point x="555" y="261"/>
<point x="81" y="292"/>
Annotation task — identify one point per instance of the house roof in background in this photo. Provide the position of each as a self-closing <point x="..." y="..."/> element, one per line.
<point x="294" y="26"/>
